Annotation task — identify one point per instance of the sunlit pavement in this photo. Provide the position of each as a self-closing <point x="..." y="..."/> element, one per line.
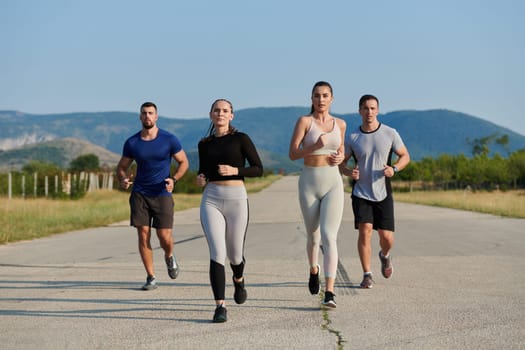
<point x="458" y="283"/>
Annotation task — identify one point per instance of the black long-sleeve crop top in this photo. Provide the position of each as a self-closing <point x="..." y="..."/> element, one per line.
<point x="233" y="149"/>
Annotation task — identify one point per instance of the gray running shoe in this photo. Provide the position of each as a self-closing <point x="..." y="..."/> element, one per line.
<point x="329" y="300"/>
<point x="387" y="269"/>
<point x="173" y="268"/>
<point x="367" y="282"/>
<point x="151" y="283"/>
<point x="220" y="314"/>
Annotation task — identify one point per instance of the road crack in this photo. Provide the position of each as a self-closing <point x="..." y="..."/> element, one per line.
<point x="326" y="326"/>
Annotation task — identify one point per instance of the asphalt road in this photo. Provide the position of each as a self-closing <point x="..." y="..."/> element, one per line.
<point x="458" y="284"/>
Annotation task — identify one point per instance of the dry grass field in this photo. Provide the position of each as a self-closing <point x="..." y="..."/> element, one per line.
<point x="22" y="219"/>
<point x="508" y="203"/>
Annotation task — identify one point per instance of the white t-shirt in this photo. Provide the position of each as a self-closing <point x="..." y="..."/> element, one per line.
<point x="372" y="150"/>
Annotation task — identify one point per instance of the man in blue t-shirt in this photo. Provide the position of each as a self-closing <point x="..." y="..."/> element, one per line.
<point x="151" y="203"/>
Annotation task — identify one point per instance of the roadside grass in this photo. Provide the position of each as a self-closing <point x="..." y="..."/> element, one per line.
<point x="507" y="203"/>
<point x="24" y="219"/>
<point x="256" y="184"/>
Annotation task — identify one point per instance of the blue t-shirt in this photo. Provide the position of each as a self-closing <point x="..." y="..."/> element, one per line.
<point x="153" y="160"/>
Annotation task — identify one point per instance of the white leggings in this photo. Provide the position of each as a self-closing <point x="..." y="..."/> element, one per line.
<point x="224" y="220"/>
<point x="321" y="196"/>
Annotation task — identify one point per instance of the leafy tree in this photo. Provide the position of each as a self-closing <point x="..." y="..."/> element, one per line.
<point x="87" y="162"/>
<point x="496" y="171"/>
<point x="445" y="170"/>
<point x="516" y="168"/>
<point x="39" y="167"/>
<point x="481" y="146"/>
<point x="504" y="142"/>
<point x="463" y="171"/>
<point x="426" y="169"/>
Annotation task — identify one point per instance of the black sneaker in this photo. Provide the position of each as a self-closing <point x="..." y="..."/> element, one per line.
<point x="329" y="300"/>
<point x="173" y="268"/>
<point x="151" y="283"/>
<point x="313" y="283"/>
<point x="220" y="314"/>
<point x="240" y="293"/>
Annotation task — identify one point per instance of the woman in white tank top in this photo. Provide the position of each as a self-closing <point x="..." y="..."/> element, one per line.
<point x="318" y="138"/>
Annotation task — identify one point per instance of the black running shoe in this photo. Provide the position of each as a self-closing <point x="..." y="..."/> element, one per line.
<point x="329" y="300"/>
<point x="240" y="293"/>
<point x="151" y="283"/>
<point x="220" y="314"/>
<point x="173" y="268"/>
<point x="313" y="283"/>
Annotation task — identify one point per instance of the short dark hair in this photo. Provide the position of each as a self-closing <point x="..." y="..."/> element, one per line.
<point x="148" y="104"/>
<point x="365" y="98"/>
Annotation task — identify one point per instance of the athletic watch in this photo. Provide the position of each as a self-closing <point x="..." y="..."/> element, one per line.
<point x="395" y="169"/>
<point x="174" y="180"/>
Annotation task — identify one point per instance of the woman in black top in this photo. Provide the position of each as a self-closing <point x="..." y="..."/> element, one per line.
<point x="224" y="206"/>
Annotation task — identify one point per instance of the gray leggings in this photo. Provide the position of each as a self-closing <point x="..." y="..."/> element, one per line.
<point x="224" y="220"/>
<point x="321" y="196"/>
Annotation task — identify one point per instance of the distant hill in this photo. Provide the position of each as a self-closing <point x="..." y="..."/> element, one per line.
<point x="426" y="133"/>
<point x="60" y="152"/>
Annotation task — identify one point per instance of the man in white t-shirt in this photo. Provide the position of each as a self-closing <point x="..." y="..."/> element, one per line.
<point x="371" y="146"/>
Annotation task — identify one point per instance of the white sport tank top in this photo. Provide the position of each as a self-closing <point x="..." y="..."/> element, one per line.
<point x="333" y="139"/>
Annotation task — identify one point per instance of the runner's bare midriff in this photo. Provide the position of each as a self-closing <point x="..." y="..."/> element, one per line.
<point x="316" y="160"/>
<point x="228" y="182"/>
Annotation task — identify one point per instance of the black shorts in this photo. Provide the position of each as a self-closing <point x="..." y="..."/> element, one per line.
<point x="380" y="214"/>
<point x="154" y="212"/>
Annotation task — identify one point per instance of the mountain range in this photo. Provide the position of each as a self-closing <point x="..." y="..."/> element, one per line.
<point x="59" y="138"/>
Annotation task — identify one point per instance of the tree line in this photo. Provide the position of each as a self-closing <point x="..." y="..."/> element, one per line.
<point x="482" y="171"/>
<point x="459" y="172"/>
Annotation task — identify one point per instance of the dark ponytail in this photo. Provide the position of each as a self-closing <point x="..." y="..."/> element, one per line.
<point x="318" y="84"/>
<point x="211" y="129"/>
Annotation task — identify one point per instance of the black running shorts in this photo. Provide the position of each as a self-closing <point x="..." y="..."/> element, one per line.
<point x="380" y="214"/>
<point x="156" y="212"/>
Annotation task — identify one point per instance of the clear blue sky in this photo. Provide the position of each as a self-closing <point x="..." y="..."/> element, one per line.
<point x="102" y="55"/>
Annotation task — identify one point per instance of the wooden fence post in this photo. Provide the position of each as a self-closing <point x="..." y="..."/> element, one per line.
<point x="110" y="181"/>
<point x="9" y="186"/>
<point x="23" y="186"/>
<point x="35" y="176"/>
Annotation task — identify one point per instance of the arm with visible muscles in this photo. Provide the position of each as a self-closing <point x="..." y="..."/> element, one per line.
<point x="402" y="161"/>
<point x="183" y="164"/>
<point x="296" y="151"/>
<point x="122" y="176"/>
